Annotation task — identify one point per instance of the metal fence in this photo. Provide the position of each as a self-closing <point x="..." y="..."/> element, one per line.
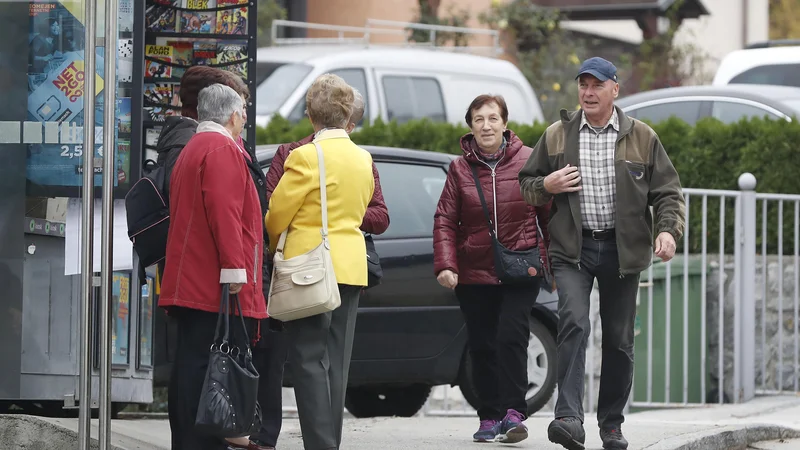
<point x="717" y="324"/>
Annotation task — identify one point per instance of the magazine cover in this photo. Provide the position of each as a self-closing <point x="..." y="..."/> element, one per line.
<point x="205" y="53"/>
<point x="231" y="19"/>
<point x="239" y="20"/>
<point x="176" y="98"/>
<point x="157" y="94"/>
<point x="124" y="115"/>
<point x="153" y="69"/>
<point x="125" y="21"/>
<point x="233" y="51"/>
<point x="161" y="15"/>
<point x="125" y="60"/>
<point x="159" y="113"/>
<point x="120" y="302"/>
<point x="198" y="21"/>
<point x="182" y="53"/>
<point x="55" y="92"/>
<point x="123" y="161"/>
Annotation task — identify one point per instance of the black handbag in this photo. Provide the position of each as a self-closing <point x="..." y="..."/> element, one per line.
<point x="228" y="405"/>
<point x="511" y="266"/>
<point x="374" y="270"/>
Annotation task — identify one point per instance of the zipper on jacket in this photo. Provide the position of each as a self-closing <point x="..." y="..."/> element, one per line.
<point x="494" y="189"/>
<point x="255" y="265"/>
<point x="494" y="199"/>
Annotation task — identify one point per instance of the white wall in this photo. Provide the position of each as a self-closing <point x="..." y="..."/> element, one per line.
<point x="716" y="34"/>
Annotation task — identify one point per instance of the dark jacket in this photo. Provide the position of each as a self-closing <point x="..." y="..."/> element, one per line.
<point x="644" y="177"/>
<point x="174" y="136"/>
<point x="461" y="240"/>
<point x="260" y="181"/>
<point x="376" y="219"/>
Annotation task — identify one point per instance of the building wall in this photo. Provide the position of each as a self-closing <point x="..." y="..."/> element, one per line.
<point x="356" y="12"/>
<point x="716" y="34"/>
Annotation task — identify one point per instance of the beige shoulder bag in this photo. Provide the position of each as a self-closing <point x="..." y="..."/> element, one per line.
<point x="305" y="285"/>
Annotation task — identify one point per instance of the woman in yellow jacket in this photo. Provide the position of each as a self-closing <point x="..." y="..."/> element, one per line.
<point x="321" y="346"/>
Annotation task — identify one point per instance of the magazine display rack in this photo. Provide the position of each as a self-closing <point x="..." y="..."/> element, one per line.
<point x="179" y="34"/>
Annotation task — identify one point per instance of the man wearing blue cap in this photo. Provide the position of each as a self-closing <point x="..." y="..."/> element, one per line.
<point x="603" y="171"/>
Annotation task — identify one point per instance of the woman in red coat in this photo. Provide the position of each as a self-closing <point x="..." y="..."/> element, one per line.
<point x="496" y="314"/>
<point x="215" y="237"/>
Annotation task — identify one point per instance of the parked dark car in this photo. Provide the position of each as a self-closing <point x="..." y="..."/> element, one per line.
<point x="729" y="103"/>
<point x="410" y="335"/>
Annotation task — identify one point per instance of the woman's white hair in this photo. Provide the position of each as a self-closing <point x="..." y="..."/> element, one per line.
<point x="217" y="103"/>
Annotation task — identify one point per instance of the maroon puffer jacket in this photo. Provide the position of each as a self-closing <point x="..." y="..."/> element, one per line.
<point x="461" y="240"/>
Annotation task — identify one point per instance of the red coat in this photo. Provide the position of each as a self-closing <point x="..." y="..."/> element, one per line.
<point x="376" y="219"/>
<point x="461" y="240"/>
<point x="216" y="232"/>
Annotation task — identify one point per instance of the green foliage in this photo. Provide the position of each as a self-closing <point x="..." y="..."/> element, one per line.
<point x="268" y="10"/>
<point x="428" y="14"/>
<point x="710" y="155"/>
<point x="546" y="54"/>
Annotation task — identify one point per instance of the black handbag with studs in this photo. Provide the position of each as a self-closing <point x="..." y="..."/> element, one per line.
<point x="228" y="405"/>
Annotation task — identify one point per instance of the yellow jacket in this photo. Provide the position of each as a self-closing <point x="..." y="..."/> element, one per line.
<point x="295" y="203"/>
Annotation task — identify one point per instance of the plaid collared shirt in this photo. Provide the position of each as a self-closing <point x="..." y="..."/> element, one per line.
<point x="598" y="181"/>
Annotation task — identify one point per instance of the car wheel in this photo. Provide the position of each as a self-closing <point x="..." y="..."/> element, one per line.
<point x="541" y="370"/>
<point x="386" y="401"/>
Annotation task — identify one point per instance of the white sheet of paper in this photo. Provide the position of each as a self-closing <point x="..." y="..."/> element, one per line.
<point x="123" y="248"/>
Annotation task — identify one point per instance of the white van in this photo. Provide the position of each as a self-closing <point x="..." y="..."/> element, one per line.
<point x="773" y="62"/>
<point x="397" y="83"/>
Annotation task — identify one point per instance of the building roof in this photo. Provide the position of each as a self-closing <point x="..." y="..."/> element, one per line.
<point x="622" y="9"/>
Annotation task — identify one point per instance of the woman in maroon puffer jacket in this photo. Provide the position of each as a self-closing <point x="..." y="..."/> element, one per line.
<point x="496" y="315"/>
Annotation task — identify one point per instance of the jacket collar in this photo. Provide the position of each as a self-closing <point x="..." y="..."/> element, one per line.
<point x="330" y="133"/>
<point x="213" y="127"/>
<point x="512" y="145"/>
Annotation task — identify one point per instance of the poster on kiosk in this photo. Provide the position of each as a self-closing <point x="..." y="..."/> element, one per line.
<point x="56" y="99"/>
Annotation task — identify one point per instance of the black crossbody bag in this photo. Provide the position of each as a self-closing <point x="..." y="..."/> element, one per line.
<point x="511" y="266"/>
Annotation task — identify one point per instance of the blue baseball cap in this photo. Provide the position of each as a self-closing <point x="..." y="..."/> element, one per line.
<point x="599" y="68"/>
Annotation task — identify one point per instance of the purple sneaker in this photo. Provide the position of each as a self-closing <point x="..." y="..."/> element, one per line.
<point x="512" y="430"/>
<point x="488" y="431"/>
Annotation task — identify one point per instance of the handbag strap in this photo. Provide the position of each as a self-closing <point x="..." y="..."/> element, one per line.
<point x="224" y="311"/>
<point x="244" y="327"/>
<point x="323" y="195"/>
<point x="323" y="191"/>
<point x="483" y="201"/>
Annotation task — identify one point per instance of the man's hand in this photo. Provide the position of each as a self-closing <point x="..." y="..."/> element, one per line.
<point x="234" y="288"/>
<point x="563" y="180"/>
<point x="665" y="246"/>
<point x="448" y="279"/>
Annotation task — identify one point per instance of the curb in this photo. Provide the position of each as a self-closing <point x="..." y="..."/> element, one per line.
<point x="30" y="432"/>
<point x="729" y="437"/>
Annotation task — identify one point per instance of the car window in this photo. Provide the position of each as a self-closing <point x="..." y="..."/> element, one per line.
<point x="274" y="91"/>
<point x="688" y="111"/>
<point x="411" y="192"/>
<point x="732" y="112"/>
<point x="775" y="74"/>
<point x="354" y="77"/>
<point x="265" y="69"/>
<point x="413" y="98"/>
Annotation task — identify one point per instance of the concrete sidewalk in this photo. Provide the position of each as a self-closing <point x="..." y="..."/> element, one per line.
<point x="708" y="428"/>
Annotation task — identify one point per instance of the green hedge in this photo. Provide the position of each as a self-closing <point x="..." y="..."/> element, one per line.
<point x="710" y="155"/>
